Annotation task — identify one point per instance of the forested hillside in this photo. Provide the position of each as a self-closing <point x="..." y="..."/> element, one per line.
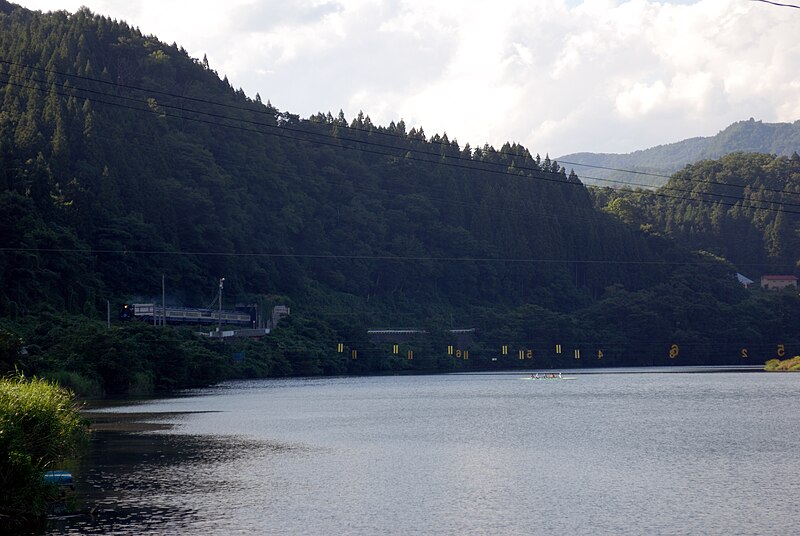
<point x="744" y="207"/>
<point x="139" y="161"/>
<point x="125" y="160"/>
<point x="656" y="164"/>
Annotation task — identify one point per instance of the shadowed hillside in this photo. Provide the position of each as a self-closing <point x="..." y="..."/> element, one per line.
<point x="126" y="162"/>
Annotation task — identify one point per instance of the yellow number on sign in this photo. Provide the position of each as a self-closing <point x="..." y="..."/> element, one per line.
<point x="781" y="350"/>
<point x="744" y="353"/>
<point x="674" y="350"/>
<point x="599" y="354"/>
<point x="458" y="353"/>
<point x="529" y="354"/>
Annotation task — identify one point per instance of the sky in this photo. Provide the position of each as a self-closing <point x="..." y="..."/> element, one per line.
<point x="558" y="76"/>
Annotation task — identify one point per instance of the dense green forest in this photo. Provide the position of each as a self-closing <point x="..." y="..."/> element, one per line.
<point x="124" y="160"/>
<point x="744" y="207"/>
<point x="656" y="164"/>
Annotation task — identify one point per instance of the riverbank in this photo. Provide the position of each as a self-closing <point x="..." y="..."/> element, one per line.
<point x="787" y="365"/>
<point x="40" y="428"/>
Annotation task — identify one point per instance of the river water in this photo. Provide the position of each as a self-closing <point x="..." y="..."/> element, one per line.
<point x="640" y="452"/>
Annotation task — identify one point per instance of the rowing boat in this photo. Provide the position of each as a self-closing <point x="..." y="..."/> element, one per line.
<point x="553" y="378"/>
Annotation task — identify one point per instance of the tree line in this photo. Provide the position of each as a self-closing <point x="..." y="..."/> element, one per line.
<point x="124" y="160"/>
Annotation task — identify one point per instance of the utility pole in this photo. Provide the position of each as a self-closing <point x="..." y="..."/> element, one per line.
<point x="219" y="318"/>
<point x="163" y="303"/>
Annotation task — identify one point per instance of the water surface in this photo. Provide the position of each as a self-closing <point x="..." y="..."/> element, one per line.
<point x="633" y="453"/>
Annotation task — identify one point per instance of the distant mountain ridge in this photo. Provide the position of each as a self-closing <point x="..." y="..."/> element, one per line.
<point x="657" y="163"/>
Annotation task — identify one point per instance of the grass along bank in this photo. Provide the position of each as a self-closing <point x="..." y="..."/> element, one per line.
<point x="40" y="427"/>
<point x="787" y="365"/>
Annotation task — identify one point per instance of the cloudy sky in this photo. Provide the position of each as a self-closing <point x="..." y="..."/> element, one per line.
<point x="558" y="76"/>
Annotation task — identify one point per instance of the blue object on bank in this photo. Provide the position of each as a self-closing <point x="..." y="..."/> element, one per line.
<point x="58" y="477"/>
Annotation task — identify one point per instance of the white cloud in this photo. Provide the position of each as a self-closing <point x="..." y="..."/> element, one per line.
<point x="686" y="93"/>
<point x="556" y="75"/>
<point x="640" y="99"/>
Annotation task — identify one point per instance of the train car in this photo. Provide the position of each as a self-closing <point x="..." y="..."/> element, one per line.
<point x="186" y="315"/>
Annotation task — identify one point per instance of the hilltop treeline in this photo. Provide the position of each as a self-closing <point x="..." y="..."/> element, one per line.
<point x="656" y="164"/>
<point x="123" y="159"/>
<point x="151" y="183"/>
<point x="744" y="207"/>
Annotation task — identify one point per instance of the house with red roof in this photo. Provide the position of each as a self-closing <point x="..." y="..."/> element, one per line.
<point x="778" y="282"/>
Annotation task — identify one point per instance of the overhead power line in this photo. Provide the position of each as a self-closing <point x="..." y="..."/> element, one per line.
<point x="447" y="159"/>
<point x="408" y="258"/>
<point x="777" y="4"/>
<point x="336" y="141"/>
<point x="436" y="158"/>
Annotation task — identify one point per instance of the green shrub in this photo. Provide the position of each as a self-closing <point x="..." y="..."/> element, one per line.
<point x="39" y="427"/>
<point x="78" y="383"/>
<point x="790" y="365"/>
<point x="141" y="384"/>
<point x="10" y="346"/>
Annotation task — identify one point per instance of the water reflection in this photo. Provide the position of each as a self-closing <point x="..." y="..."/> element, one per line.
<point x="136" y="479"/>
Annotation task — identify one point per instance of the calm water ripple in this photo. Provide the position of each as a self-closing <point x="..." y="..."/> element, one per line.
<point x="457" y="454"/>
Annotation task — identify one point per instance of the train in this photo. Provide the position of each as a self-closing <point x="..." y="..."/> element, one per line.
<point x="246" y="316"/>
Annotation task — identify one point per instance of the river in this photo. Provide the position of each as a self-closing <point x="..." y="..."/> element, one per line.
<point x="639" y="452"/>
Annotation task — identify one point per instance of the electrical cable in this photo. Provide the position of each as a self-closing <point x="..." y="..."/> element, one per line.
<point x="777" y="3"/>
<point x="535" y="174"/>
<point x="407" y="258"/>
<point x="330" y="136"/>
<point x="339" y="145"/>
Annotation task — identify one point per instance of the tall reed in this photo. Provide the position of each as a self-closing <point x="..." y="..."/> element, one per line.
<point x="40" y="426"/>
